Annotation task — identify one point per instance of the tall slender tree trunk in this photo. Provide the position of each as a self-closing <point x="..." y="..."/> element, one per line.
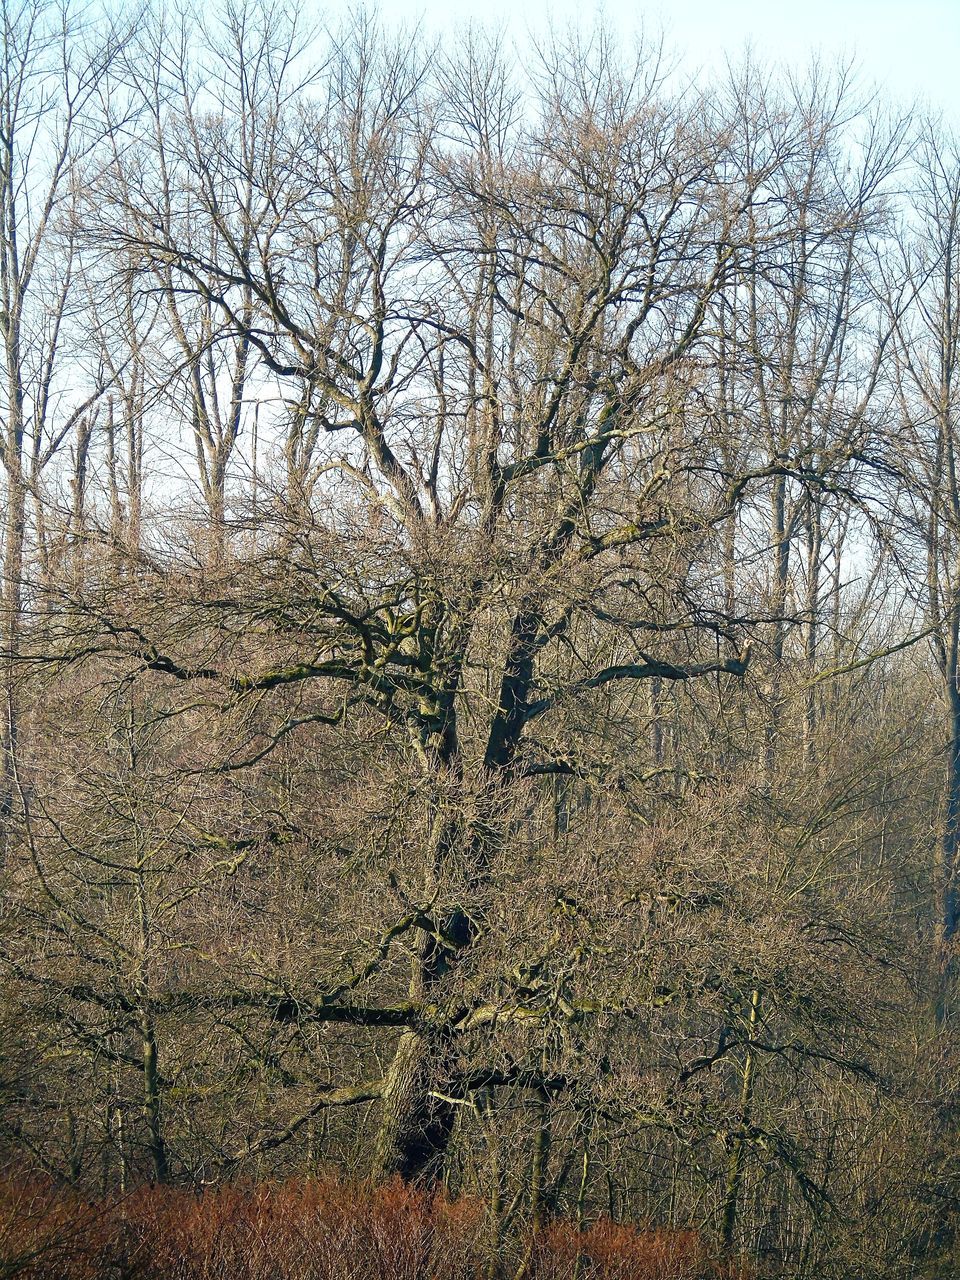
<point x="735" y="1163"/>
<point x="948" y="891"/>
<point x="814" y="534"/>
<point x="156" y="1144"/>
<point x="152" y="1099"/>
<point x="780" y="539"/>
<point x="14" y="535"/>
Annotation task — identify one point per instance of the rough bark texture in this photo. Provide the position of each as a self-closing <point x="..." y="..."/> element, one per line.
<point x="415" y="1124"/>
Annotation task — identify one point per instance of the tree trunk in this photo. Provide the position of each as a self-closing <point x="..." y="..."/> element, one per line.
<point x="415" y="1124"/>
<point x="948" y="904"/>
<point x="780" y="539"/>
<point x="728" y="1221"/>
<point x="13" y="550"/>
<point x="156" y="1146"/>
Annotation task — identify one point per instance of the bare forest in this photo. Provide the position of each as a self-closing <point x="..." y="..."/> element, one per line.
<point x="479" y="656"/>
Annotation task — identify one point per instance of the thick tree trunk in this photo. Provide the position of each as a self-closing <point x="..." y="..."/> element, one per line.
<point x="415" y="1123"/>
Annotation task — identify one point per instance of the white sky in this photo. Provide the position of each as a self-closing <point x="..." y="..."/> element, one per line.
<point x="909" y="49"/>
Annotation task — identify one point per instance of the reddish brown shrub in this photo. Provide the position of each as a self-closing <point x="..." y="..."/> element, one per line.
<point x="321" y="1229"/>
<point x="618" y="1251"/>
<point x="49" y="1233"/>
<point x="318" y="1230"/>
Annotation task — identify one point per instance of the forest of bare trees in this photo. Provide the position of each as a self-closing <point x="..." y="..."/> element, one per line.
<point x="480" y="656"/>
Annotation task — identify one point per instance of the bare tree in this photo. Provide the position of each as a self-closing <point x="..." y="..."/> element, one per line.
<point x="924" y="294"/>
<point x="453" y="790"/>
<point x="50" y="76"/>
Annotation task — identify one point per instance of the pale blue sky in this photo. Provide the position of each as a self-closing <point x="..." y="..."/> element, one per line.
<point x="912" y="50"/>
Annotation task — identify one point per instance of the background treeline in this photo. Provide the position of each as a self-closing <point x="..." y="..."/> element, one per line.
<point x="480" y="658"/>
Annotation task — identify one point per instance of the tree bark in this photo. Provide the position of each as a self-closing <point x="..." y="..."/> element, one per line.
<point x="415" y="1124"/>
<point x="156" y="1145"/>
